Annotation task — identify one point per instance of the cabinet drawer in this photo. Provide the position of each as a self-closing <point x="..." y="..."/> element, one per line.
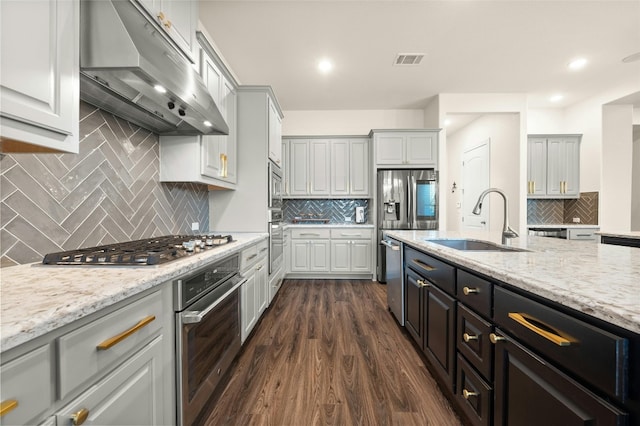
<point x="88" y="350"/>
<point x="474" y="396"/>
<point x="351" y="233"/>
<point x="26" y="383"/>
<point x="581" y="234"/>
<point x="473" y="340"/>
<point x="475" y="292"/>
<point x="248" y="257"/>
<point x="590" y="353"/>
<point x="438" y="272"/>
<point x="310" y="233"/>
<point x="262" y="248"/>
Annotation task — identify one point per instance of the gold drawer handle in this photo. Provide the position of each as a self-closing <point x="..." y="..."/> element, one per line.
<point x="534" y="326"/>
<point x="423" y="265"/>
<point x="7" y="406"/>
<point x="120" y="337"/>
<point x="467" y="337"/>
<point x="469" y="290"/>
<point x="466" y="394"/>
<point x="79" y="417"/>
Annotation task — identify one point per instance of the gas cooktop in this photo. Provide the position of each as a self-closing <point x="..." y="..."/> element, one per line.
<point x="150" y="251"/>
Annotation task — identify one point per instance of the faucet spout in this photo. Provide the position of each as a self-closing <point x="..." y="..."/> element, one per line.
<point x="507" y="231"/>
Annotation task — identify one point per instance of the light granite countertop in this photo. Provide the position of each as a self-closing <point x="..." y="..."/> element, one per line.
<point x="622" y="234"/>
<point x="564" y="225"/>
<point x="328" y="225"/>
<point x="36" y="299"/>
<point x="600" y="280"/>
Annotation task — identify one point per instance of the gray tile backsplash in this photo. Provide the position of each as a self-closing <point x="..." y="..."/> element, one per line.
<point x="540" y="212"/>
<point x="107" y="193"/>
<point x="334" y="210"/>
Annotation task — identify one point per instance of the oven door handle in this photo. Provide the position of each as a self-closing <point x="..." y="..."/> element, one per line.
<point x="193" y="317"/>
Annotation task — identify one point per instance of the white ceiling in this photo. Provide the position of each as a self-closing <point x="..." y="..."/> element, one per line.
<point x="470" y="46"/>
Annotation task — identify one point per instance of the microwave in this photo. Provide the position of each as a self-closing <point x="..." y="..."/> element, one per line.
<point x="275" y="186"/>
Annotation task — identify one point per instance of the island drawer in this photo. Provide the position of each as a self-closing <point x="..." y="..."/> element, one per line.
<point x="351" y="233"/>
<point x="102" y="344"/>
<point x="474" y="396"/>
<point x="581" y="234"/>
<point x="592" y="354"/>
<point x="311" y="233"/>
<point x="475" y="292"/>
<point x="439" y="273"/>
<point x="473" y="340"/>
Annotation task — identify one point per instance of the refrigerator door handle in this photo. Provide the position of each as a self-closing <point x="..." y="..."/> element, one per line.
<point x="409" y="202"/>
<point x="414" y="203"/>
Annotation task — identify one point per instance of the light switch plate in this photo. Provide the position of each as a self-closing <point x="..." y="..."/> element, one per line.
<point x="195" y="226"/>
<point x="347" y="218"/>
<point x="576" y="220"/>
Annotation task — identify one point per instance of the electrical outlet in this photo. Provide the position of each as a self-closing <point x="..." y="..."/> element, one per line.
<point x="576" y="220"/>
<point x="195" y="226"/>
<point x="347" y="218"/>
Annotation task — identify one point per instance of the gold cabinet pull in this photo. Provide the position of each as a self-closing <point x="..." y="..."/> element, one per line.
<point x="529" y="323"/>
<point x="423" y="283"/>
<point x="120" y="337"/>
<point x="495" y="338"/>
<point x="466" y="394"/>
<point x="8" y="406"/>
<point x="79" y="417"/>
<point x="467" y="337"/>
<point x="533" y="186"/>
<point x="423" y="265"/>
<point x="167" y="24"/>
<point x="469" y="290"/>
<point x="160" y="16"/>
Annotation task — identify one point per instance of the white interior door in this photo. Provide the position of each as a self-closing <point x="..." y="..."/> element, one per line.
<point x="475" y="179"/>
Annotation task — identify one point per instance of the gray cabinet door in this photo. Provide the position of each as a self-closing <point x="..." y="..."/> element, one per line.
<point x="537" y="166"/>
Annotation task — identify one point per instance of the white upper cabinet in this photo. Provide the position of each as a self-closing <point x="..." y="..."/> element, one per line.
<point x="553" y="166"/>
<point x="179" y="20"/>
<point x="350" y="167"/>
<point x="275" y="134"/>
<point x="406" y="148"/>
<point x="207" y="159"/>
<point x="39" y="76"/>
<point x="309" y="167"/>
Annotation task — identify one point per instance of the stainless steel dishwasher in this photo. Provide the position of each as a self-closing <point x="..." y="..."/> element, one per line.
<point x="395" y="289"/>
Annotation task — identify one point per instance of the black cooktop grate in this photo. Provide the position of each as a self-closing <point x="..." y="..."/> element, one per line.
<point x="149" y="251"/>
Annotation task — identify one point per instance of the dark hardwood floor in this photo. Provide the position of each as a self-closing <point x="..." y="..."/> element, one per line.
<point x="329" y="352"/>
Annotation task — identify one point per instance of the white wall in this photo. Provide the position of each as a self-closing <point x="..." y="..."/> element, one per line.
<point x="503" y="130"/>
<point x="490" y="103"/>
<point x="542" y="121"/>
<point x="349" y="122"/>
<point x="635" y="177"/>
<point x="617" y="161"/>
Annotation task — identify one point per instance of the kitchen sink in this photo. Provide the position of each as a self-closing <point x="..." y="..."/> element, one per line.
<point x="474" y="245"/>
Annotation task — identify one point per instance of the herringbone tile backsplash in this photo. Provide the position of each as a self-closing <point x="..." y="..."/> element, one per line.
<point x="334" y="210"/>
<point x="107" y="193"/>
<point x="541" y="212"/>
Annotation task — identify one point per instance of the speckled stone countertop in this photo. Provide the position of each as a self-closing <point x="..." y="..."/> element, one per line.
<point x="328" y="225"/>
<point x="600" y="280"/>
<point x="564" y="225"/>
<point x="622" y="234"/>
<point x="37" y="298"/>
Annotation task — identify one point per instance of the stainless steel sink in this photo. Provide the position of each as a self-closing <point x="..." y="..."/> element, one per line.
<point x="474" y="245"/>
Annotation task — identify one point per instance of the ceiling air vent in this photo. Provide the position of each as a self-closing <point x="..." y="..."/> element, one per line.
<point x="408" y="59"/>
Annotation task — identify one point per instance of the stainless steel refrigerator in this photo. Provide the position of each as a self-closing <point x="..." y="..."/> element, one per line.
<point x="407" y="199"/>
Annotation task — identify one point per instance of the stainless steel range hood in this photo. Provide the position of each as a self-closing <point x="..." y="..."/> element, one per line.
<point x="129" y="68"/>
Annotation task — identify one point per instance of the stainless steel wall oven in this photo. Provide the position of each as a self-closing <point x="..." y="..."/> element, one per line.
<point x="275" y="186"/>
<point x="276" y="240"/>
<point x="207" y="305"/>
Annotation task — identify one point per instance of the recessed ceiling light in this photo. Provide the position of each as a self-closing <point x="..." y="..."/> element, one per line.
<point x="447" y="122"/>
<point x="160" y="88"/>
<point x="325" y="66"/>
<point x="556" y="98"/>
<point x="577" y="64"/>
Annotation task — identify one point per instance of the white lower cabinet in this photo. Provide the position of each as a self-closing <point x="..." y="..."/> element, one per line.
<point x="326" y="252"/>
<point x="116" y="366"/>
<point x="132" y="394"/>
<point x="254" y="293"/>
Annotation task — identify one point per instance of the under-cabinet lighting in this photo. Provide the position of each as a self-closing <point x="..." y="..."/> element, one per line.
<point x="160" y="88"/>
<point x="207" y="123"/>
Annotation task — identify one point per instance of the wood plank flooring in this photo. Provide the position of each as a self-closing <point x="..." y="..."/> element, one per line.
<point x="329" y="352"/>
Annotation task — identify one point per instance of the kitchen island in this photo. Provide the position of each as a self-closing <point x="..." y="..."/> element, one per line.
<point x="544" y="329"/>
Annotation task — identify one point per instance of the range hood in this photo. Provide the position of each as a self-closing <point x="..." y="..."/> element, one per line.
<point x="129" y="68"/>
